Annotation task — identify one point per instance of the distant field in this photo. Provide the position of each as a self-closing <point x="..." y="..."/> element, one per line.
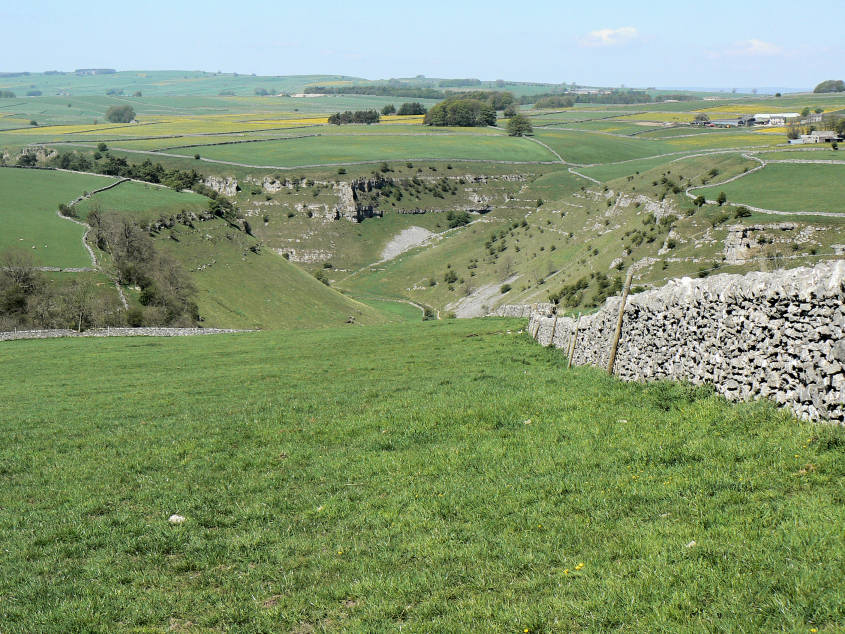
<point x="343" y="149"/>
<point x="28" y="217"/>
<point x="618" y="170"/>
<point x="787" y="187"/>
<point x="581" y="147"/>
<point x="803" y="155"/>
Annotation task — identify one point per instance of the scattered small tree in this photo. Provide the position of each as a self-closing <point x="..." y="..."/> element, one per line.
<point x="388" y="109"/>
<point x="699" y="201"/>
<point x="519" y="125"/>
<point x="722" y="199"/>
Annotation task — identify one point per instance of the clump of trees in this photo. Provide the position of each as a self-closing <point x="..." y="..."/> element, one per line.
<point x="167" y="293"/>
<point x="359" y="116"/>
<point x="28" y="300"/>
<point x="555" y="101"/>
<point x="456" y="111"/>
<point x="388" y="109"/>
<point x="410" y="108"/>
<point x="831" y="85"/>
<point x="104" y="163"/>
<point x="121" y="114"/>
<point x="519" y="125"/>
<point x="7" y="94"/>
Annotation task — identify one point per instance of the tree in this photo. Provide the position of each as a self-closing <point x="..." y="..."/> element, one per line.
<point x="120" y="114"/>
<point x="388" y="109"/>
<point x="456" y="111"/>
<point x="722" y="199"/>
<point x="805" y="112"/>
<point x="510" y="111"/>
<point x="830" y="85"/>
<point x="699" y="201"/>
<point x="519" y="125"/>
<point x="411" y="108"/>
<point x="701" y="119"/>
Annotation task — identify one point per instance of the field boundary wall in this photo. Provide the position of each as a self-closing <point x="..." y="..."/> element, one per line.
<point x="778" y="335"/>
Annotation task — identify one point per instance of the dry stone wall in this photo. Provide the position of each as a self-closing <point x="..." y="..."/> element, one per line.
<point x="777" y="335"/>
<point x="114" y="332"/>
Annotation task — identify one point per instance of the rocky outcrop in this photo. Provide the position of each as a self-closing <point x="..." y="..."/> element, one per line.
<point x="228" y="185"/>
<point x="777" y="335"/>
<point x="740" y="242"/>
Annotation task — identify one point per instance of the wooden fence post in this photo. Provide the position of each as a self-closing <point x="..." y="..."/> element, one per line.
<point x="554" y="328"/>
<point x="572" y="342"/>
<point x="537" y="326"/>
<point x="618" y="332"/>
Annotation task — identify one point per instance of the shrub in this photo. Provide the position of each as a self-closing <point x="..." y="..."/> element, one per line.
<point x="504" y="288"/>
<point x="120" y="114"/>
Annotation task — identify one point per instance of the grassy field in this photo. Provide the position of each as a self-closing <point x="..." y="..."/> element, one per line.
<point x="144" y="201"/>
<point x="28" y="214"/>
<point x="586" y="148"/>
<point x="446" y="476"/>
<point x="787" y="187"/>
<point x="366" y="147"/>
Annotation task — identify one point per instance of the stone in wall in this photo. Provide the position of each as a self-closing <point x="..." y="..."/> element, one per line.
<point x="778" y="335"/>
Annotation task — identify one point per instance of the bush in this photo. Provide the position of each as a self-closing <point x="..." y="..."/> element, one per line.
<point x="742" y="212"/>
<point x="504" y="288"/>
<point x="135" y="317"/>
<point x="120" y="114"/>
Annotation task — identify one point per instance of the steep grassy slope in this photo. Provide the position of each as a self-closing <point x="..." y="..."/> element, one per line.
<point x="448" y="476"/>
<point x="238" y="288"/>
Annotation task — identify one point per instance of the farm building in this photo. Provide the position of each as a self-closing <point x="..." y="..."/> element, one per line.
<point x="776" y="119"/>
<point x="817" y="136"/>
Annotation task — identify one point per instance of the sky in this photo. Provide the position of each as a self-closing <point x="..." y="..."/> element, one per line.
<point x="717" y="44"/>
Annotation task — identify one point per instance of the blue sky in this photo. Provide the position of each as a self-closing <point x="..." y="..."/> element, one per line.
<point x="652" y="43"/>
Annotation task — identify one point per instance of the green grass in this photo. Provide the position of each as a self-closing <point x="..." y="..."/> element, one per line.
<point x="237" y="288"/>
<point x="786" y="187"/>
<point x="804" y="155"/>
<point x="444" y="476"/>
<point x="587" y="148"/>
<point x="28" y="214"/>
<point x="372" y="147"/>
<point x="144" y="201"/>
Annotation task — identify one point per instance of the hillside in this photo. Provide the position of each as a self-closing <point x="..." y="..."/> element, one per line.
<point x="458" y="220"/>
<point x="442" y="476"/>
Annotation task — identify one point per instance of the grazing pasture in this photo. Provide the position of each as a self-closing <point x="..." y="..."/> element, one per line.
<point x="442" y="477"/>
<point x="144" y="201"/>
<point x="28" y="216"/>
<point x="337" y="148"/>
<point x="786" y="187"/>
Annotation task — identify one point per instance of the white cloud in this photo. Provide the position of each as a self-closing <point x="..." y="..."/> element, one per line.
<point x="750" y="48"/>
<point x="610" y="37"/>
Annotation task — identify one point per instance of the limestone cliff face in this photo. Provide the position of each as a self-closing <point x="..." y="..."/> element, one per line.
<point x="228" y="186"/>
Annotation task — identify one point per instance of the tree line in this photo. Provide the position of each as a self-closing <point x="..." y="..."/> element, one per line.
<point x="359" y="116"/>
<point x="413" y="107"/>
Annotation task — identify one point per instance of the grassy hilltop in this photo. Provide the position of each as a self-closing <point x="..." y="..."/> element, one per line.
<point x="450" y="476"/>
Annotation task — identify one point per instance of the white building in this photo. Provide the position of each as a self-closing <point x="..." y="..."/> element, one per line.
<point x="781" y="118"/>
